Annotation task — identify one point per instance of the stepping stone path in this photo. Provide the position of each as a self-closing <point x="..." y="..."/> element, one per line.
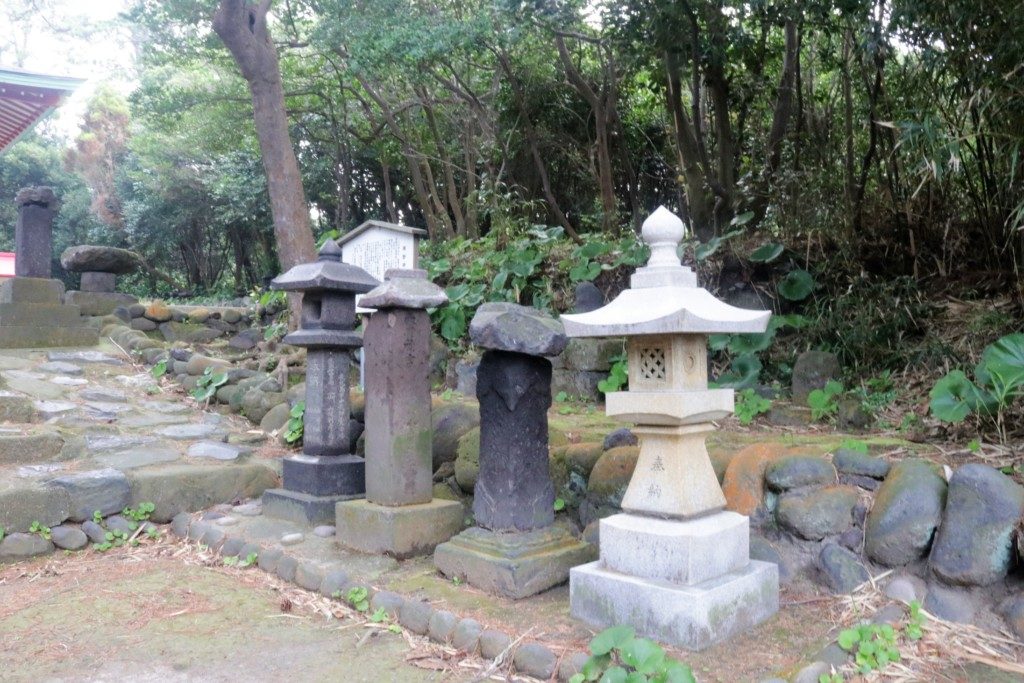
<point x="217" y="450"/>
<point x="183" y="432"/>
<point x="121" y="441"/>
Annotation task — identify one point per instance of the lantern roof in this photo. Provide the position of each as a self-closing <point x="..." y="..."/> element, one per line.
<point x="326" y="273"/>
<point x="663" y="297"/>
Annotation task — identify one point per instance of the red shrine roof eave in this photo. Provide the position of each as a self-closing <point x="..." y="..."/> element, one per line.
<point x="27" y="97"/>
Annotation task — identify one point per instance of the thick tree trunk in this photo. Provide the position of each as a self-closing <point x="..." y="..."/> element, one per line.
<point x="243" y="28"/>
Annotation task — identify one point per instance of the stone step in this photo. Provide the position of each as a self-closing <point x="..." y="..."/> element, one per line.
<point x="34" y="337"/>
<point x="43" y="315"/>
<point x="31" y="290"/>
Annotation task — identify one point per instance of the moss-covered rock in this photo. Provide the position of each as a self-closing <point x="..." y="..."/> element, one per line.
<point x="467" y="460"/>
<point x="451" y="422"/>
<point x="907" y="510"/>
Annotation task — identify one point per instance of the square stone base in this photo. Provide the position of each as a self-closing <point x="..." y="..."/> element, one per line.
<point x="301" y="508"/>
<point x="692" y="617"/>
<point x="325" y="475"/>
<point x="403" y="531"/>
<point x="512" y="564"/>
<point x="99" y="303"/>
<point x="686" y="552"/>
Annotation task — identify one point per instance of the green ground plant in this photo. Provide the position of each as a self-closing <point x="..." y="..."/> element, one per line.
<point x="293" y="429"/>
<point x="159" y="368"/>
<point x="749" y="405"/>
<point x="824" y="402"/>
<point x="875" y="646"/>
<point x="618" y="656"/>
<point x="618" y="376"/>
<point x="41" y="529"/>
<point x="208" y="383"/>
<point x="358" y="597"/>
<point x="999" y="383"/>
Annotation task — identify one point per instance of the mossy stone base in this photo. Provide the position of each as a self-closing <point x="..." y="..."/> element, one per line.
<point x="402" y="531"/>
<point x="692" y="617"/>
<point x="513" y="564"/>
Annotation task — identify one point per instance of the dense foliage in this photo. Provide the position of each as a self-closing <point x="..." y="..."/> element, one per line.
<point x="832" y="155"/>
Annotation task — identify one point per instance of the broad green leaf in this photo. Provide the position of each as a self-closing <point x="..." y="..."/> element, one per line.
<point x="742" y="219"/>
<point x="767" y="253"/>
<point x="797" y="285"/>
<point x="848" y="638"/>
<point x="743" y="373"/>
<point x="1004" y="357"/>
<point x="677" y="672"/>
<point x="643" y="655"/>
<point x="453" y="323"/>
<point x="616" y="674"/>
<point x="953" y="397"/>
<point x="611" y="638"/>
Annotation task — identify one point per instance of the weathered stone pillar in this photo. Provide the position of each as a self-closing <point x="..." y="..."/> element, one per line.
<point x="33" y="234"/>
<point x="515" y="551"/>
<point x="32" y="309"/>
<point x="325" y="472"/>
<point x="399" y="515"/>
<point x="513" y="491"/>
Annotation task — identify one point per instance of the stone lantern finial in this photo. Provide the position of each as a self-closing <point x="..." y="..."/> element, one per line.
<point x="330" y="251"/>
<point x="663" y="231"/>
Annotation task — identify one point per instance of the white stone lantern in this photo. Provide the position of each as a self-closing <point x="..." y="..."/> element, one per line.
<point x="675" y="564"/>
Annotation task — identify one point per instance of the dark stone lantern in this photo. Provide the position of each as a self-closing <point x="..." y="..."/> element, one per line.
<point x="325" y="472"/>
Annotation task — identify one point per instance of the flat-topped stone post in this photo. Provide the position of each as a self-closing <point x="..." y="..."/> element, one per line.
<point x="514" y="550"/>
<point x="33" y="233"/>
<point x="32" y="312"/>
<point x="674" y="564"/>
<point x="325" y="472"/>
<point x="399" y="516"/>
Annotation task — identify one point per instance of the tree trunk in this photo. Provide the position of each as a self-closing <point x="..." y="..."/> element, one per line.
<point x="243" y="28"/>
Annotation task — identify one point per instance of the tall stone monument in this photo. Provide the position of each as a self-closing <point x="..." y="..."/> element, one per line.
<point x="675" y="564"/>
<point x="399" y="516"/>
<point x="325" y="472"/>
<point x="32" y="313"/>
<point x="514" y="550"/>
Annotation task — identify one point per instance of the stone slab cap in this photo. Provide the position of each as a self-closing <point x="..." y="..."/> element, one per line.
<point x="327" y="272"/>
<point x="99" y="259"/>
<point x="405" y="288"/>
<point x="42" y="196"/>
<point x="664" y="297"/>
<point x="521" y="329"/>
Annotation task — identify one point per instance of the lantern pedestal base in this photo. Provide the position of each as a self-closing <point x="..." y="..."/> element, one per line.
<point x="313" y="485"/>
<point x="698" y="585"/>
<point x="512" y="564"/>
<point x="402" y="531"/>
<point x="301" y="508"/>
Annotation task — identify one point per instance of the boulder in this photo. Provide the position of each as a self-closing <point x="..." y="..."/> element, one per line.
<point x="852" y="416"/>
<point x="1012" y="610"/>
<point x="743" y="483"/>
<point x="949" y="604"/>
<point x="595" y="355"/>
<point x="574" y="463"/>
<point x="587" y="297"/>
<point x="974" y="543"/>
<point x="794" y="471"/>
<point x="276" y="418"/>
<point x="88" y="258"/>
<point x="906" y="512"/>
<point x="620" y="437"/>
<point x="608" y="481"/>
<point x="159" y="312"/>
<point x="520" y="329"/>
<point x="18" y="546"/>
<point x="451" y="421"/>
<point x="467" y="460"/>
<point x="849" y="461"/>
<point x="841" y="569"/>
<point x="818" y="513"/>
<point x="104" y="490"/>
<point x="813" y="370"/>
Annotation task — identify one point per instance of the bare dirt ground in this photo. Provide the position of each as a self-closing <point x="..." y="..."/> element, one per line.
<point x="128" y="616"/>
